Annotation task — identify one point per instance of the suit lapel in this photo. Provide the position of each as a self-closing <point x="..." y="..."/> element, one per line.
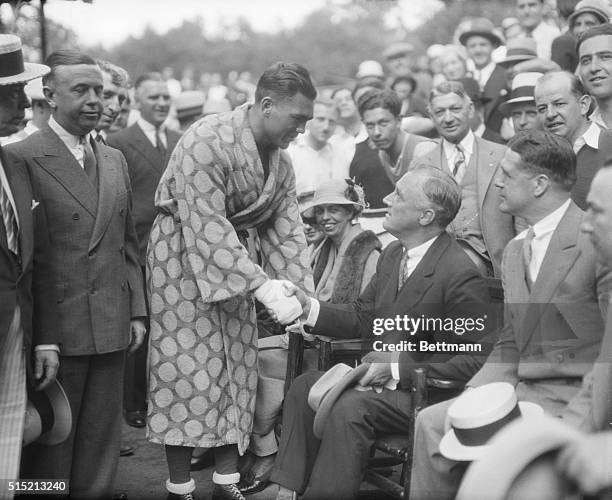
<point x="421" y="278"/>
<point x="59" y="162"/>
<point x="485" y="168"/>
<point x="146" y="149"/>
<point x="108" y="176"/>
<point x="560" y="256"/>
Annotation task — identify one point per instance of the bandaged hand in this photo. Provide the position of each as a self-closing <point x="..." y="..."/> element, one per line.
<point x="272" y="294"/>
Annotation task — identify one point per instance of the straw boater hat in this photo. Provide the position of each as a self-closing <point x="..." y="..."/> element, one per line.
<point x="476" y="415"/>
<point x="12" y="67"/>
<point x="48" y="419"/>
<point x="511" y="453"/>
<point x="370" y="68"/>
<point x="518" y="50"/>
<point x="335" y="192"/>
<point x="523" y="86"/>
<point x="599" y="8"/>
<point x="481" y="26"/>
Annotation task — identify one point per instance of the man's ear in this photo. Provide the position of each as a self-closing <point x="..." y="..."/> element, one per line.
<point x="266" y="106"/>
<point x="542" y="185"/>
<point x="585" y="104"/>
<point x="49" y="96"/>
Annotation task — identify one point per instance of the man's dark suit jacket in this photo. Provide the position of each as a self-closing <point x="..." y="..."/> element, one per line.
<point x="145" y="167"/>
<point x="15" y="276"/>
<point x="445" y="284"/>
<point x="87" y="250"/>
<point x="588" y="162"/>
<point x="495" y="90"/>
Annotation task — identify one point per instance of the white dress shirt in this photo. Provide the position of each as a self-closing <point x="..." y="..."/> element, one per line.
<point x="72" y="142"/>
<point x="451" y="153"/>
<point x="150" y="131"/>
<point x="544" y="34"/>
<point x="589" y="138"/>
<point x="598" y="119"/>
<point x="482" y="75"/>
<point x="543" y="231"/>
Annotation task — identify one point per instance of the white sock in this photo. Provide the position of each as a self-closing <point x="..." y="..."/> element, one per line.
<point x="180" y="488"/>
<point x="226" y="478"/>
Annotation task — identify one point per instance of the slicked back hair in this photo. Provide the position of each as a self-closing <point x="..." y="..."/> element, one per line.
<point x="385" y="99"/>
<point x="284" y="80"/>
<point x="440" y="190"/>
<point x="152" y="76"/>
<point x="602" y="29"/>
<point x="118" y="75"/>
<point x="543" y="152"/>
<point x="449" y="87"/>
<point x="65" y="57"/>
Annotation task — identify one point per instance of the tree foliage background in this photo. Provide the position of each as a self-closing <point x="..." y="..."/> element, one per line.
<point x="331" y="41"/>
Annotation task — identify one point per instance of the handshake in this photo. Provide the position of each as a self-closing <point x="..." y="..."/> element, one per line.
<point x="280" y="297"/>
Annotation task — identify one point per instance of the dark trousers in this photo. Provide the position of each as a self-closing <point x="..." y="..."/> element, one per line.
<point x="88" y="458"/>
<point x="333" y="467"/>
<point x="135" y="385"/>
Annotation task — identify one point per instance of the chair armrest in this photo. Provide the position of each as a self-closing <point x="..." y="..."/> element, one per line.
<point x="330" y="348"/>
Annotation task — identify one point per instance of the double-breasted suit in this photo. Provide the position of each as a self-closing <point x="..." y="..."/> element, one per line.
<point x="445" y="284"/>
<point x="87" y="252"/>
<point x="497" y="228"/>
<point x="145" y="168"/>
<point x="550" y="339"/>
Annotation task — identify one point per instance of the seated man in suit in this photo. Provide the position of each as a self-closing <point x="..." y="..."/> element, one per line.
<point x="556" y="296"/>
<point x="480" y="227"/>
<point x="426" y="274"/>
<point x="563" y="108"/>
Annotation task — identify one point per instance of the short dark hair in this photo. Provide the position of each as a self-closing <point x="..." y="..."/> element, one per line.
<point x="441" y="191"/>
<point x="449" y="87"/>
<point x="152" y="76"/>
<point x="601" y="29"/>
<point x="65" y="57"/>
<point x="285" y="80"/>
<point x="385" y="99"/>
<point x="543" y="152"/>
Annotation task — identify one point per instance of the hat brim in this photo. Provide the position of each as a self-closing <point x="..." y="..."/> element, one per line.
<point x="511" y="450"/>
<point x="309" y="211"/>
<point x="512" y="60"/>
<point x="587" y="10"/>
<point x="62" y="415"/>
<point x="451" y="448"/>
<point x="32" y="71"/>
<point x="333" y="394"/>
<point x="506" y="106"/>
<point x="325" y="384"/>
<point x="492" y="37"/>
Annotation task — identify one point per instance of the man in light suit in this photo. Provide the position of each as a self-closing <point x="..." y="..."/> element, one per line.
<point x="556" y="296"/>
<point x="88" y="252"/>
<point x="17" y="307"/>
<point x="425" y="273"/>
<point x="146" y="145"/>
<point x="481" y="228"/>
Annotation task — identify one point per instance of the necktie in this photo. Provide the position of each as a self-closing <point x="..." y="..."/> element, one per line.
<point x="159" y="142"/>
<point x="100" y="139"/>
<point x="403" y="270"/>
<point x="527" y="254"/>
<point x="10" y="221"/>
<point x="459" y="163"/>
<point x="89" y="160"/>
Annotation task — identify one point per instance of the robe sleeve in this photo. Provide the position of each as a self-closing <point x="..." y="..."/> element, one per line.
<point x="196" y="179"/>
<point x="283" y="244"/>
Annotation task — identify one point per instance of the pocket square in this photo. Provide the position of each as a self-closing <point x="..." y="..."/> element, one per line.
<point x="34" y="204"/>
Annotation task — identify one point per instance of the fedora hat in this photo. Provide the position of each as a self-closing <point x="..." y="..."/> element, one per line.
<point x="48" y="419"/>
<point x="370" y="68"/>
<point x="189" y="103"/>
<point x="518" y="50"/>
<point x="523" y="86"/>
<point x="12" y="67"/>
<point x="481" y="26"/>
<point x="510" y="453"/>
<point x="599" y="8"/>
<point x="335" y="192"/>
<point x="476" y="415"/>
<point x="326" y="393"/>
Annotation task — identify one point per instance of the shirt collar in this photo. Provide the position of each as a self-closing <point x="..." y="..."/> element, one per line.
<point x="598" y="119"/>
<point x="421" y="250"/>
<point x="67" y="138"/>
<point x="480" y="130"/>
<point x="591" y="136"/>
<point x="467" y="144"/>
<point x="148" y="127"/>
<point x="547" y="224"/>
